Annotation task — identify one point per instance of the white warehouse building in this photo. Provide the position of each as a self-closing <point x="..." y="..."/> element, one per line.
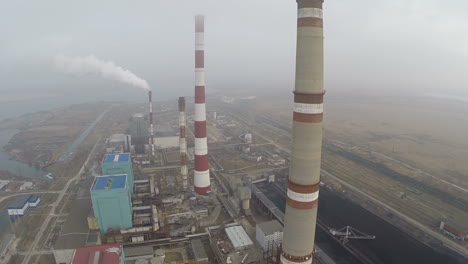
<point x="238" y="237"/>
<point x="269" y="234"/>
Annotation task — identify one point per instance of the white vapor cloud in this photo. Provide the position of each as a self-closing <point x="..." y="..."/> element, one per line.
<point x="106" y="69"/>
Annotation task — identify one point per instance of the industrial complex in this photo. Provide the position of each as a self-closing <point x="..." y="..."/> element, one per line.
<point x="197" y="183"/>
<point x="157" y="199"/>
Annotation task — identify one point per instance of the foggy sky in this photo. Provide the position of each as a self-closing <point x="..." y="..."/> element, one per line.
<point x="376" y="46"/>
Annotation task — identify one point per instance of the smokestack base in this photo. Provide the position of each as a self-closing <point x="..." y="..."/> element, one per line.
<point x="202" y="190"/>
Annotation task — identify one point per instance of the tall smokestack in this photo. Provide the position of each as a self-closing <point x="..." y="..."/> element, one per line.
<point x="202" y="171"/>
<point x="151" y="122"/>
<point x="304" y="174"/>
<point x="183" y="142"/>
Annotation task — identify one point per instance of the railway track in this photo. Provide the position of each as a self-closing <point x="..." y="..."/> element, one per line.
<point x="415" y="217"/>
<point x="361" y="256"/>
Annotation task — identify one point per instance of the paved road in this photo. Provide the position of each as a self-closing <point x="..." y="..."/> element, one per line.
<point x="32" y="249"/>
<point x="43" y="252"/>
<point x="24" y="193"/>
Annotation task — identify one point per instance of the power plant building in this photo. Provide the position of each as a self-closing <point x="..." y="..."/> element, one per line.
<point x="139" y="133"/>
<point x="118" y="143"/>
<point x="114" y="164"/>
<point x="238" y="237"/>
<point x="99" y="254"/>
<point x="269" y="234"/>
<point x="111" y="202"/>
<point x="166" y="142"/>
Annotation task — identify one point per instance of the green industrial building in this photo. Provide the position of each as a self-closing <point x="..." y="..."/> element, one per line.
<point x="111" y="202"/>
<point x="139" y="126"/>
<point x="116" y="164"/>
<point x="139" y="132"/>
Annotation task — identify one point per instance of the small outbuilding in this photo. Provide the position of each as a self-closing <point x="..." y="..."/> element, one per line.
<point x="454" y="230"/>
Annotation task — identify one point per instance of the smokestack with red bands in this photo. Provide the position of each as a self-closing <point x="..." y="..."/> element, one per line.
<point x="304" y="174"/>
<point x="183" y="142"/>
<point x="202" y="171"/>
<point x="151" y="122"/>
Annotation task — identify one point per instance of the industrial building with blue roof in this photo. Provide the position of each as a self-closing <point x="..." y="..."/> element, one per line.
<point x="21" y="204"/>
<point x="115" y="164"/>
<point x="110" y="182"/>
<point x="112" y="202"/>
<point x="125" y="157"/>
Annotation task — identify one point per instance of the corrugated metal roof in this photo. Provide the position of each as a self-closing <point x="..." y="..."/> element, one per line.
<point x="110" y="182"/>
<point x="454" y="227"/>
<point x="125" y="157"/>
<point x="238" y="236"/>
<point x="99" y="254"/>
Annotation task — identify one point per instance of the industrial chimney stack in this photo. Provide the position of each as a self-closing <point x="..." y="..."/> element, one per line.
<point x="202" y="172"/>
<point x="183" y="142"/>
<point x="304" y="173"/>
<point x="151" y="122"/>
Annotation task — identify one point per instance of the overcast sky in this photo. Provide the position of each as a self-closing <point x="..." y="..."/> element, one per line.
<point x="380" y="46"/>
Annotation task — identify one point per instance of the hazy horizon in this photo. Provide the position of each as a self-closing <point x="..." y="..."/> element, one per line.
<point x="400" y="48"/>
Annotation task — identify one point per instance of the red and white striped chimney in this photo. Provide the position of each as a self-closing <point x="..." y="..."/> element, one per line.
<point x="304" y="174"/>
<point x="183" y="142"/>
<point x="151" y="122"/>
<point x="201" y="177"/>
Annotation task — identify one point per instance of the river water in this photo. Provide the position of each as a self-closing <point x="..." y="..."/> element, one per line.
<point x="12" y="166"/>
<point x="22" y="169"/>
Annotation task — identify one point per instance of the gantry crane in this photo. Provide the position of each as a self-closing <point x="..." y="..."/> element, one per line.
<point x="349" y="232"/>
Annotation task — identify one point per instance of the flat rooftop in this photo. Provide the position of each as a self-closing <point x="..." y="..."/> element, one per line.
<point x="98" y="254"/>
<point x="138" y="251"/>
<point x="113" y="158"/>
<point x="270" y="227"/>
<point x="110" y="182"/>
<point x="198" y="250"/>
<point x="238" y="236"/>
<point x="19" y="202"/>
<point x="33" y="198"/>
<point x="117" y="138"/>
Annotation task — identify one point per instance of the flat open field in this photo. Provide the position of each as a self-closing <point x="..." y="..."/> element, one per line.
<point x="410" y="156"/>
<point x="412" y="200"/>
<point x="44" y="136"/>
<point x="427" y="134"/>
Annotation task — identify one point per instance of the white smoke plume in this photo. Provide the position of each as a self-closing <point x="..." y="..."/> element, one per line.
<point x="92" y="65"/>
